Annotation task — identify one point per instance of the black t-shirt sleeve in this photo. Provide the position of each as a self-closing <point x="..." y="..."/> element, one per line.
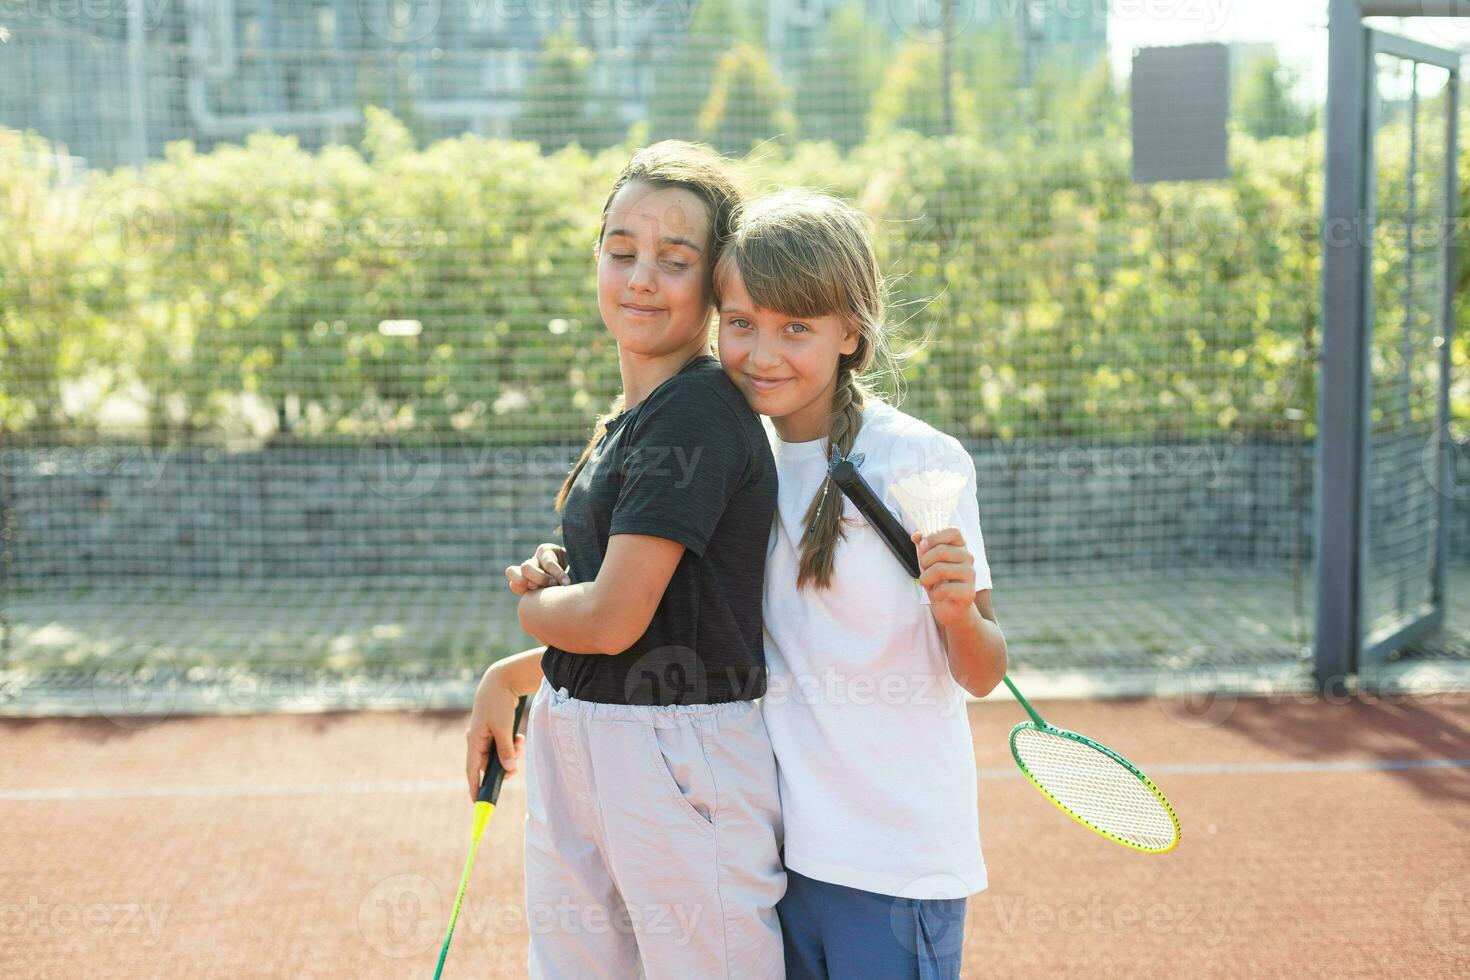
<point x="685" y="459"/>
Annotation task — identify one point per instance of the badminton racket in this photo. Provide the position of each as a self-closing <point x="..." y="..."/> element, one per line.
<point x="485" y="802"/>
<point x="1085" y="779"/>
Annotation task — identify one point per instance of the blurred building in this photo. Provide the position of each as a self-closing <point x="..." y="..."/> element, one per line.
<point x="115" y="82"/>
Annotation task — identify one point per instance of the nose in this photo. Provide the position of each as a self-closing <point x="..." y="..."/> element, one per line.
<point x="764" y="354"/>
<point x="643" y="278"/>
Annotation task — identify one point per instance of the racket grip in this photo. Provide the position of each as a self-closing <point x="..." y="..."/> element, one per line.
<point x="494" y="770"/>
<point x="851" y="483"/>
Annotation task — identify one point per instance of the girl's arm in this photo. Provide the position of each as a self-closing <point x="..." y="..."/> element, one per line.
<point x="972" y="638"/>
<point x="520" y="673"/>
<point x="977" y="648"/>
<point x="610" y="613"/>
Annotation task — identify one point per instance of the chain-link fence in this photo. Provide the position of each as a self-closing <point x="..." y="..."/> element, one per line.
<point x="301" y="332"/>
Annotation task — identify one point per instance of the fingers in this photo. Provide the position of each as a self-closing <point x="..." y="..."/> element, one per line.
<point x="534" y="576"/>
<point x="515" y="761"/>
<point x="476" y="757"/>
<point x="938" y="574"/>
<point x="509" y="750"/>
<point x="945" y="554"/>
<point x="552" y="559"/>
<point x="948" y="535"/>
<point x="516" y="580"/>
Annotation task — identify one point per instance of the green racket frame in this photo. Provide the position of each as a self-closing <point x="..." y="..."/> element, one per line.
<point x="1038" y="723"/>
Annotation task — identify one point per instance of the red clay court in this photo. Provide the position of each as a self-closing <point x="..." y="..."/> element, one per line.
<point x="1320" y="839"/>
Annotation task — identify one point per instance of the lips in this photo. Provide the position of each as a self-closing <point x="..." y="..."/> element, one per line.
<point x="639" y="310"/>
<point x="766" y="384"/>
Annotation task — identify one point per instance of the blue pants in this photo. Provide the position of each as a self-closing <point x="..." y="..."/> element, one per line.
<point x="832" y="932"/>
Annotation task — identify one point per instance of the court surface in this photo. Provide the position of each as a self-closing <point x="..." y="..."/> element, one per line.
<point x="1320" y="839"/>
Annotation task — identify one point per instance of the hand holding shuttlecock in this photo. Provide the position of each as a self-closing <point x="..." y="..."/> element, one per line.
<point x="928" y="498"/>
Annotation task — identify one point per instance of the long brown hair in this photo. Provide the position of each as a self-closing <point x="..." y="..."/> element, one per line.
<point x="693" y="167"/>
<point x="808" y="254"/>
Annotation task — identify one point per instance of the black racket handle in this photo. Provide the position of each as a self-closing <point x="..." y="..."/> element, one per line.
<point x="856" y="489"/>
<point x="494" y="770"/>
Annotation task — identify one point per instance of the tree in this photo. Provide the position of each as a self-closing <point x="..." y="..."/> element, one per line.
<point x="835" y="89"/>
<point x="555" y="107"/>
<point x="747" y="103"/>
<point x="911" y="95"/>
<point x="1265" y="105"/>
<point x="682" y="83"/>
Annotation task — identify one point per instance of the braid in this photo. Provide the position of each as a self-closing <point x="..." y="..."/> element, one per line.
<point x="823" y="520"/>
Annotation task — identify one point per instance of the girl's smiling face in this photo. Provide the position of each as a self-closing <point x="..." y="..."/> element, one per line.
<point x="653" y="271"/>
<point x="785" y="366"/>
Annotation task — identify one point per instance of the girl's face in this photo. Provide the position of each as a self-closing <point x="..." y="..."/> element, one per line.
<point x="653" y="273"/>
<point x="785" y="366"/>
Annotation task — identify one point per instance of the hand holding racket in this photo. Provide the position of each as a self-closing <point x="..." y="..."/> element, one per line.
<point x="485" y="800"/>
<point x="1086" y="780"/>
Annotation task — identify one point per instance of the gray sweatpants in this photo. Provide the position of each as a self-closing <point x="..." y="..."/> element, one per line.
<point x="652" y="841"/>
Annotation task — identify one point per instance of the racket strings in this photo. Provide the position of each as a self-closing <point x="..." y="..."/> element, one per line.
<point x="1095" y="787"/>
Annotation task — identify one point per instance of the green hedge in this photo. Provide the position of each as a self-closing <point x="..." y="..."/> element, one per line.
<point x="1057" y="297"/>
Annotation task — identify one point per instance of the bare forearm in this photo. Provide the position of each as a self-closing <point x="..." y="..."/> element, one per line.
<point x="521" y="672"/>
<point x="567" y="617"/>
<point x="977" y="653"/>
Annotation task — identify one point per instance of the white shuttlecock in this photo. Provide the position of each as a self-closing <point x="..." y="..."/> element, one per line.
<point x="929" y="498"/>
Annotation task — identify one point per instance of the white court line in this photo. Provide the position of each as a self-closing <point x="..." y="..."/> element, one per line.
<point x="440" y="785"/>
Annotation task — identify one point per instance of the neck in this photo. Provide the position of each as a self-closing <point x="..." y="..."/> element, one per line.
<point x="643" y="372"/>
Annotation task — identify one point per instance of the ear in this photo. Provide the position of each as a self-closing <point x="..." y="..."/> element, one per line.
<point x="850" y="340"/>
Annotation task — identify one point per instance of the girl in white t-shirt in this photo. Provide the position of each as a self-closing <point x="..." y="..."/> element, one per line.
<point x="868" y="670"/>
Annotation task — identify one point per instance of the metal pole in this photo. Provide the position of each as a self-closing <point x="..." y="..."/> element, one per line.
<point x="1340" y="391"/>
<point x="1447" y="323"/>
<point x="137" y="91"/>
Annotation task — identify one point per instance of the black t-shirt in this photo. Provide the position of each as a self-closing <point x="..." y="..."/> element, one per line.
<point x="690" y="463"/>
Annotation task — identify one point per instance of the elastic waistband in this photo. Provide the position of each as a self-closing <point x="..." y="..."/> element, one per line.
<point x="654" y="714"/>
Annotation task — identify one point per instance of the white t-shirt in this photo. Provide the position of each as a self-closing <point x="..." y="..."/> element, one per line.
<point x="872" y="739"/>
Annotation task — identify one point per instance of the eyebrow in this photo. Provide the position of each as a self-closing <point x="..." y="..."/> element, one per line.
<point x="667" y="239"/>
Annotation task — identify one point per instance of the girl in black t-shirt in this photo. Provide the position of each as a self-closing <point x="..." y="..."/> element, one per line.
<point x="653" y="815"/>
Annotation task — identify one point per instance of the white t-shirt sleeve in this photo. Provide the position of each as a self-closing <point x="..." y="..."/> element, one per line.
<point x="967" y="519"/>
